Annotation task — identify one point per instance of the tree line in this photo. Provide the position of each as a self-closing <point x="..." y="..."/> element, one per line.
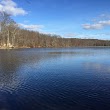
<point x="12" y="36"/>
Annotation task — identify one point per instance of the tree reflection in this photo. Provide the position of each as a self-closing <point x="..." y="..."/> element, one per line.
<point x="13" y="62"/>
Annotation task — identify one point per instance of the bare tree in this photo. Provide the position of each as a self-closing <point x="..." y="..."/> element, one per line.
<point x="8" y="29"/>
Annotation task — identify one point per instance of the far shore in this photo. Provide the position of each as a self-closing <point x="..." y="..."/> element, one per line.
<point x="11" y="48"/>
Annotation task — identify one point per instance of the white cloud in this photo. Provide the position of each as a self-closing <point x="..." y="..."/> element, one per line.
<point x="92" y="26"/>
<point x="100" y="22"/>
<point x="11" y="8"/>
<point x="31" y="27"/>
<point x="105" y="23"/>
<point x="26" y="21"/>
<point x="103" y="36"/>
<point x="98" y="25"/>
<point x="70" y="35"/>
<point x="105" y="16"/>
<point x="46" y="32"/>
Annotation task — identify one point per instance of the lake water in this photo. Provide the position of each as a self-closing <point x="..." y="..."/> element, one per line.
<point x="55" y="79"/>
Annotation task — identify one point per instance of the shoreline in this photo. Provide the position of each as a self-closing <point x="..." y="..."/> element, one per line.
<point x="6" y="48"/>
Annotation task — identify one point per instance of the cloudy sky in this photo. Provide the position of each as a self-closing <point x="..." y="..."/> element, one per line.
<point x="68" y="18"/>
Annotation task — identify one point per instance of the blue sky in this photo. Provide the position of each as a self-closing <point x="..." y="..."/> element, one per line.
<point x="68" y="18"/>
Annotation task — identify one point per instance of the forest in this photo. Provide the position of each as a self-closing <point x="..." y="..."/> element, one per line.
<point x="13" y="36"/>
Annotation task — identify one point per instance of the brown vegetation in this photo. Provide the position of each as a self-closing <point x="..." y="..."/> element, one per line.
<point x="12" y="36"/>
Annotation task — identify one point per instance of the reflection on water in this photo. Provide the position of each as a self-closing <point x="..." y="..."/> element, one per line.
<point x="55" y="79"/>
<point x="99" y="67"/>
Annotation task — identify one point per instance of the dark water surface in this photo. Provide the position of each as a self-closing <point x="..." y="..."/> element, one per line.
<point x="55" y="79"/>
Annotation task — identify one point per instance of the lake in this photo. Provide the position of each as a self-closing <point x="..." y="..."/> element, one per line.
<point x="55" y="79"/>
